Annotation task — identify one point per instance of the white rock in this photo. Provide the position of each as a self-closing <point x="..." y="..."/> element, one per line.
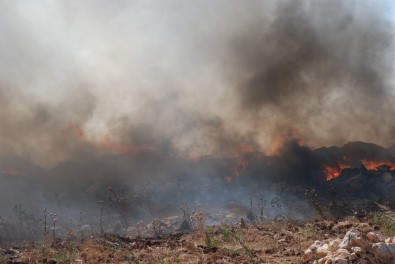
<point x="357" y="250"/>
<point x="311" y="252"/>
<point x="334" y="244"/>
<point x="375" y="237"/>
<point x="347" y="241"/>
<point x="322" y="250"/>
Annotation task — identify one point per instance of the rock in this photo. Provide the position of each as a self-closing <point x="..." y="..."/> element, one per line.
<point x="343" y="225"/>
<point x="375" y="237"/>
<point x="311" y="252"/>
<point x="334" y="244"/>
<point x="308" y="255"/>
<point x="384" y="252"/>
<point x="322" y="251"/>
<point x="11" y="252"/>
<point x="339" y="261"/>
<point x="357" y="250"/>
<point x="342" y="253"/>
<point x="353" y="248"/>
<point x="362" y="242"/>
<point x="283" y="240"/>
<point x="348" y="239"/>
<point x="324" y="260"/>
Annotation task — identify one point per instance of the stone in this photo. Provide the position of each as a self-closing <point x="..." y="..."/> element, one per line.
<point x="361" y="242"/>
<point x="324" y="260"/>
<point x="323" y="250"/>
<point x="339" y="261"/>
<point x="384" y="252"/>
<point x="348" y="239"/>
<point x="334" y="244"/>
<point x="311" y="252"/>
<point x="375" y="237"/>
<point x="342" y="253"/>
<point x="357" y="250"/>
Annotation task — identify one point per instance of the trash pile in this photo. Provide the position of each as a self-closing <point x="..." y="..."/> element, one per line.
<point x="353" y="248"/>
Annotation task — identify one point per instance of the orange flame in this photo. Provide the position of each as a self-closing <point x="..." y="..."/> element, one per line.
<point x="274" y="149"/>
<point x="334" y="172"/>
<point x="106" y="144"/>
<point x="373" y="164"/>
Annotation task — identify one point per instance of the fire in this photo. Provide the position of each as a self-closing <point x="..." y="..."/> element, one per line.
<point x="334" y="172"/>
<point x="274" y="149"/>
<point x="373" y="164"/>
<point x="106" y="144"/>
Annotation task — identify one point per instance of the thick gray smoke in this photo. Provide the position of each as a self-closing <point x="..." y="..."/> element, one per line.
<point x="159" y="97"/>
<point x="195" y="78"/>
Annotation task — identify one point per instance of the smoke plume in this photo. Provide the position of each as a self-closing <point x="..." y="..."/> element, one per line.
<point x="148" y="95"/>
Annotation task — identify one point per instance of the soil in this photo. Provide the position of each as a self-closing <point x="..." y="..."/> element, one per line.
<point x="272" y="242"/>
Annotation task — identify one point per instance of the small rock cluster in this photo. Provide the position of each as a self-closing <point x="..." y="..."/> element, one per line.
<point x="353" y="248"/>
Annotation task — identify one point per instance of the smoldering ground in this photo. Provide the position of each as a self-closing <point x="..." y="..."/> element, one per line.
<point x="138" y="95"/>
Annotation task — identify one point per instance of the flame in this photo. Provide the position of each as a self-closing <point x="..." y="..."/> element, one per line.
<point x="274" y="149"/>
<point x="373" y="164"/>
<point x="106" y="144"/>
<point x="12" y="172"/>
<point x="334" y="172"/>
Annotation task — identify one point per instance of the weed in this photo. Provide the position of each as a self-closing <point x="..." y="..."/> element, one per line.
<point x="54" y="221"/>
<point x="209" y="238"/>
<point x="120" y="204"/>
<point x="226" y="232"/>
<point x="249" y="252"/>
<point x="186" y="217"/>
<point x="262" y="205"/>
<point x="251" y="216"/>
<point x="385" y="220"/>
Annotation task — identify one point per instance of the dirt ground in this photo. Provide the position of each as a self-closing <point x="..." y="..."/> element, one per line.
<point x="273" y="242"/>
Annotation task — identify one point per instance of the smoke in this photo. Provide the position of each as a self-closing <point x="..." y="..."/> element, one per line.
<point x="201" y="78"/>
<point x="160" y="98"/>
